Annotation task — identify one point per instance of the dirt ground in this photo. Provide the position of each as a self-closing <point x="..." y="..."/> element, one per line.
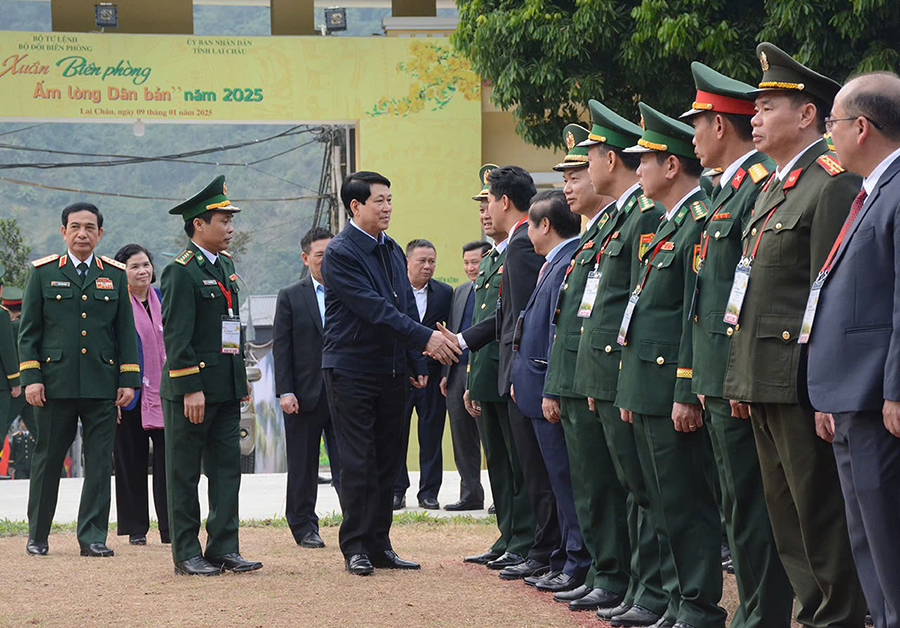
<point x="296" y="587"/>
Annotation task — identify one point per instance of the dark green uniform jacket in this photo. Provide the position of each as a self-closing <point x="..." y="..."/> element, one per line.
<point x="9" y="360"/>
<point x="484" y="364"/>
<point x="78" y="340"/>
<point x="21" y="449"/>
<point x="193" y="305"/>
<point x="810" y="205"/>
<point x="720" y="251"/>
<point x="657" y="360"/>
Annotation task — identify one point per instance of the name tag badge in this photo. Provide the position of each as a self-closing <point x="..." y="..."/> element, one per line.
<point x="590" y="294"/>
<point x="103" y="283"/>
<point x="626" y="319"/>
<point x="60" y="284"/>
<point x="231" y="335"/>
<point x="738" y="292"/>
<point x="810" y="314"/>
<point x="209" y="282"/>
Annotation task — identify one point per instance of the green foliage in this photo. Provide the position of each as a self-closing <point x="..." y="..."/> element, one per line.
<point x="14" y="254"/>
<point x="546" y="58"/>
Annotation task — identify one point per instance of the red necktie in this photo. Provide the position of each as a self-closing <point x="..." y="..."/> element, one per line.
<point x="541" y="273"/>
<point x="854" y="212"/>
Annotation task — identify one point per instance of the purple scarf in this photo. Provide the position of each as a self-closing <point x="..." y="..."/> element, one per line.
<point x="154" y="354"/>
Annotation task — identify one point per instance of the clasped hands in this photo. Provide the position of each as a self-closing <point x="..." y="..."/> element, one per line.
<point x="443" y="346"/>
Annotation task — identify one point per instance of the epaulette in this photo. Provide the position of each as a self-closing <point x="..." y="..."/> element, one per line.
<point x="184" y="257"/>
<point x="486" y="253"/>
<point x="645" y="203"/>
<point x="113" y="262"/>
<point x="3" y="308"/>
<point x="45" y="260"/>
<point x="758" y="172"/>
<point x="699" y="210"/>
<point x="830" y="165"/>
<point x="225" y="253"/>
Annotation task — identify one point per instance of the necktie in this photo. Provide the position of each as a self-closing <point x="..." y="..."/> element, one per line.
<point x="541" y="273"/>
<point x="82" y="269"/>
<point x="855" y="207"/>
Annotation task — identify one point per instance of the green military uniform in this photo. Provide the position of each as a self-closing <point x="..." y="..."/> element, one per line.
<point x="763" y="587"/>
<point x="197" y="295"/>
<point x="77" y="338"/>
<point x="9" y="363"/>
<point x="793" y="225"/>
<point x="18" y="408"/>
<point x="599" y="497"/>
<point x="633" y="221"/>
<point x="657" y="367"/>
<point x="21" y="449"/>
<point x="515" y="517"/>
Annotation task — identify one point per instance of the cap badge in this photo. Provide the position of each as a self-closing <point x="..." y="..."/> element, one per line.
<point x="487" y="173"/>
<point x="570" y="140"/>
<point x="764" y="61"/>
<point x="643" y="126"/>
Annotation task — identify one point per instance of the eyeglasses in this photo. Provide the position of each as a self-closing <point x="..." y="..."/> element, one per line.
<point x="829" y="122"/>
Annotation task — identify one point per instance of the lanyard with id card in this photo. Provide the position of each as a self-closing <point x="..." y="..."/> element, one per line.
<point x="632" y="301"/>
<point x="809" y="316"/>
<point x="742" y="278"/>
<point x="591" y="287"/>
<point x="231" y="326"/>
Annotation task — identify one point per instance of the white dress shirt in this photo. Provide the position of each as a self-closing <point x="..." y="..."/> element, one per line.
<point x="421" y="295"/>
<point x="678" y="205"/>
<point x="77" y="261"/>
<point x="212" y="257"/>
<point x="730" y="171"/>
<point x="620" y="202"/>
<point x="781" y="173"/>
<point x="870" y="182"/>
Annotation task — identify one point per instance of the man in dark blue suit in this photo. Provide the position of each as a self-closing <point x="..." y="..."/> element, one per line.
<point x="433" y="307"/>
<point x="553" y="230"/>
<point x="852" y="323"/>
<point x="372" y="341"/>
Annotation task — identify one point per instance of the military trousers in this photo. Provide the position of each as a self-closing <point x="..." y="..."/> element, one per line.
<point x="6" y="416"/>
<point x="57" y="424"/>
<point x="677" y="468"/>
<point x="600" y="500"/>
<point x="515" y="518"/>
<point x="806" y="509"/>
<point x="215" y="442"/>
<point x="764" y="591"/>
<point x="645" y="587"/>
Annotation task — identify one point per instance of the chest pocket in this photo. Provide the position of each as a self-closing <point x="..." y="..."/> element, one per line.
<point x="585" y="257"/>
<point x="614" y="248"/>
<point x="209" y="292"/>
<point x="107" y="296"/>
<point x="719" y="229"/>
<point x="780" y="241"/>
<point x="57" y="293"/>
<point x="664" y="259"/>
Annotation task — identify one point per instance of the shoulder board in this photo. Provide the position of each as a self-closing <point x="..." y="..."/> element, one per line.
<point x="792" y="179"/>
<point x="113" y="262"/>
<point x="45" y="260"/>
<point x="830" y="165"/>
<point x="3" y="308"/>
<point x="225" y="253"/>
<point x="486" y="253"/>
<point x="645" y="203"/>
<point x="184" y="257"/>
<point x="699" y="210"/>
<point x="758" y="172"/>
<point x="738" y="178"/>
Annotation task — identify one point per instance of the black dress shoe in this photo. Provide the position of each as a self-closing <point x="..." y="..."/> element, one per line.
<point x="869" y="620"/>
<point x="461" y="505"/>
<point x="137" y="539"/>
<point x="483" y="559"/>
<point x="597" y="598"/>
<point x="324" y="480"/>
<point x="311" y="540"/>
<point x="636" y="616"/>
<point x="234" y="562"/>
<point x="196" y="566"/>
<point x="560" y="582"/>
<point x="530" y="567"/>
<point x="37" y="548"/>
<point x="614" y="611"/>
<point x="97" y="550"/>
<point x="399" y="502"/>
<point x="359" y="565"/>
<point x="664" y="623"/>
<point x="573" y="594"/>
<point x="508" y="559"/>
<point x="164" y="538"/>
<point x="533" y="580"/>
<point x="388" y="559"/>
<point x="429" y="503"/>
<point x="492" y="510"/>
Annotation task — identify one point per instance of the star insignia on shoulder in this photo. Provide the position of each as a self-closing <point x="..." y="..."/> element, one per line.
<point x="830" y="165"/>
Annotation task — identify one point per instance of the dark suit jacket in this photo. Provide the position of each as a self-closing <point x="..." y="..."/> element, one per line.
<point x="297" y="345"/>
<point x="854" y="350"/>
<point x="520" y="273"/>
<point x="438" y="310"/>
<point x="529" y="368"/>
<point x="454" y="322"/>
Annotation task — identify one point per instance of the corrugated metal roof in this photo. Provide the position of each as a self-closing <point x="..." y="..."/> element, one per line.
<point x="263" y="310"/>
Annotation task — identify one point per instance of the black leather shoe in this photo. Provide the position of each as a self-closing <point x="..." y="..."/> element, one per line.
<point x="164" y="538"/>
<point x="429" y="503"/>
<point x="461" y="505"/>
<point x="324" y="480"/>
<point x="636" y="616"/>
<point x="869" y="620"/>
<point x="97" y="550"/>
<point x="37" y="548"/>
<point x="508" y="559"/>
<point x="234" y="562"/>
<point x="614" y="611"/>
<point x="532" y="581"/>
<point x="196" y="566"/>
<point x="574" y="594"/>
<point x="664" y="623"/>
<point x="597" y="598"/>
<point x="530" y="567"/>
<point x="492" y="510"/>
<point x="725" y="553"/>
<point x="399" y="502"/>
<point x="311" y="540"/>
<point x="560" y="582"/>
<point x="359" y="565"/>
<point x="388" y="559"/>
<point x="483" y="559"/>
<point x="137" y="539"/>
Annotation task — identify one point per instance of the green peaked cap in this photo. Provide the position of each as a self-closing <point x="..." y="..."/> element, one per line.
<point x="717" y="92"/>
<point x="483" y="175"/>
<point x="212" y="197"/>
<point x="610" y="128"/>
<point x="663" y="134"/>
<point x="577" y="157"/>
<point x="782" y="72"/>
<point x="12" y="295"/>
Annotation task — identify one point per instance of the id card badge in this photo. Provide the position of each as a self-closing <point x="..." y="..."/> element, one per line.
<point x="810" y="314"/>
<point x="626" y="319"/>
<point x="738" y="292"/>
<point x="517" y="334"/>
<point x="590" y="294"/>
<point x="231" y="335"/>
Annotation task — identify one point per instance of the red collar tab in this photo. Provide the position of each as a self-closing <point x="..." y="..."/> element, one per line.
<point x="792" y="179"/>
<point x="738" y="178"/>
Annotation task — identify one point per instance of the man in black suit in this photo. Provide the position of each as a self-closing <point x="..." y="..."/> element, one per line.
<point x="433" y="306"/>
<point x="297" y="349"/>
<point x="465" y="430"/>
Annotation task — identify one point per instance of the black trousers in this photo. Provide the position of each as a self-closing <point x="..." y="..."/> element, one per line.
<point x="302" y="433"/>
<point x="547" y="534"/>
<point x="367" y="409"/>
<point x="465" y="431"/>
<point x="431" y="413"/>
<point x="132" y="453"/>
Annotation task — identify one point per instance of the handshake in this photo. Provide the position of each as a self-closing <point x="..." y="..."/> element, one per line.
<point x="443" y="346"/>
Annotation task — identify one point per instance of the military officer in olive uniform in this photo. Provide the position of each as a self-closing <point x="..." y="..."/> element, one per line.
<point x="723" y="138"/>
<point x="654" y="389"/>
<point x="599" y="498"/>
<point x="203" y="382"/>
<point x="632" y="224"/>
<point x="10" y="389"/>
<point x="21" y="448"/>
<point x="12" y="303"/>
<point x="794" y="224"/>
<point x="515" y="517"/>
<point x="79" y="360"/>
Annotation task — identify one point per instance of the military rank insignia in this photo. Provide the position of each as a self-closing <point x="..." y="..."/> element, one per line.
<point x="103" y="283"/>
<point x="696" y="261"/>
<point x="699" y="210"/>
<point x="758" y="172"/>
<point x="645" y="203"/>
<point x="184" y="257"/>
<point x="603" y="220"/>
<point x="830" y="165"/>
<point x="792" y="179"/>
<point x="644" y="246"/>
<point x="738" y="178"/>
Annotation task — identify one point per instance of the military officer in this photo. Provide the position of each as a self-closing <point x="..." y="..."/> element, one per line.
<point x="628" y="231"/>
<point x="723" y="139"/>
<point x="654" y="389"/>
<point x="204" y="380"/>
<point x="794" y="223"/>
<point x="599" y="498"/>
<point x="10" y="388"/>
<point x="20" y="452"/>
<point x="12" y="302"/>
<point x="515" y="517"/>
<point x="79" y="359"/>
